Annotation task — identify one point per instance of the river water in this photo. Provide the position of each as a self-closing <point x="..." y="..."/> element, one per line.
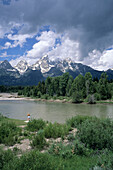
<point x="54" y="112"/>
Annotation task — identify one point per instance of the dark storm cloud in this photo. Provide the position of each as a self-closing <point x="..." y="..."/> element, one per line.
<point x="88" y="21"/>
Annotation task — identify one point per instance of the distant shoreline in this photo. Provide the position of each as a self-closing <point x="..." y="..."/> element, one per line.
<point x="11" y="96"/>
<point x="14" y="96"/>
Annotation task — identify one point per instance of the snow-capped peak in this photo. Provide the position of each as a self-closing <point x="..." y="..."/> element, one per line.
<point x="45" y="57"/>
<point x="43" y="64"/>
<point x="68" y="60"/>
<point x="22" y="66"/>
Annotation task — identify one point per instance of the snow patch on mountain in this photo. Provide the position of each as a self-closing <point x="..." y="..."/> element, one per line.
<point x="22" y="66"/>
<point x="13" y="70"/>
<point x="44" y="64"/>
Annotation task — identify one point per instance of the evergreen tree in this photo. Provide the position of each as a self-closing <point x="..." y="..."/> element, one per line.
<point x="43" y="89"/>
<point x="89" y="84"/>
<point x="79" y="86"/>
<point x="63" y="83"/>
<point x="56" y="85"/>
<point x="48" y="84"/>
<point x="103" y="87"/>
<point x="69" y="85"/>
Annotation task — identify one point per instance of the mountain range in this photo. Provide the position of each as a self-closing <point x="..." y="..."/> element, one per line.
<point x="25" y="74"/>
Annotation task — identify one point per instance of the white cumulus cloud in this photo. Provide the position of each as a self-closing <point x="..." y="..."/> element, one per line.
<point x="100" y="61"/>
<point x="42" y="47"/>
<point x="46" y="44"/>
<point x="67" y="49"/>
<point x="18" y="39"/>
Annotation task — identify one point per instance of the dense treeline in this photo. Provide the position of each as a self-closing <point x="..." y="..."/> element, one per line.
<point x="80" y="88"/>
<point x="8" y="89"/>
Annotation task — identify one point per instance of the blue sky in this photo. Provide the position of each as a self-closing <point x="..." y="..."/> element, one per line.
<point x="80" y="30"/>
<point x="17" y="48"/>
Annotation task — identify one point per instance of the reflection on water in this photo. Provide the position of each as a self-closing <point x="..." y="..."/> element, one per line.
<point x="52" y="111"/>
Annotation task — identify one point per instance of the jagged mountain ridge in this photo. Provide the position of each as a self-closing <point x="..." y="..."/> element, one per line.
<point x="25" y="74"/>
<point x="45" y="66"/>
<point x="22" y="76"/>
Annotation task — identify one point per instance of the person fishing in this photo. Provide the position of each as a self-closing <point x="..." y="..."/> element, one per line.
<point x="28" y="117"/>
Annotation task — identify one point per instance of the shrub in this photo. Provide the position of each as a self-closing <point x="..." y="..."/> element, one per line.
<point x="77" y="120"/>
<point x="91" y="99"/>
<point x="76" y="98"/>
<point x="28" y="94"/>
<point x="39" y="140"/>
<point x="8" y="133"/>
<point x="45" y="96"/>
<point x="20" y="92"/>
<point x="5" y="157"/>
<point x="2" y="117"/>
<point x="105" y="161"/>
<point x="56" y="130"/>
<point x="68" y="151"/>
<point x="54" y="97"/>
<point x="79" y="148"/>
<point x="97" y="134"/>
<point x="25" y="133"/>
<point x="35" y="125"/>
<point x="70" y="137"/>
<point x="33" y="160"/>
<point x="59" y="149"/>
<point x="60" y="97"/>
<point x="97" y="96"/>
<point x="39" y="94"/>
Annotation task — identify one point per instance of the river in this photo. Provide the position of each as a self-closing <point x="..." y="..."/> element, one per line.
<point x="54" y="112"/>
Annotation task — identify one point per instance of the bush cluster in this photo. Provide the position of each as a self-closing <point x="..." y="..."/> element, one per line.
<point x="91" y="148"/>
<point x="5" y="157"/>
<point x="97" y="134"/>
<point x="9" y="133"/>
<point x="44" y="161"/>
<point x="78" y="120"/>
<point x="56" y="130"/>
<point x="91" y="99"/>
<point x="35" y="125"/>
<point x="68" y="151"/>
<point x="39" y="140"/>
<point x="105" y="161"/>
<point x="58" y="149"/>
<point x="32" y="160"/>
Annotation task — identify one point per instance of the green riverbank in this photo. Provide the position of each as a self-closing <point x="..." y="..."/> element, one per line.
<point x="61" y="99"/>
<point x="65" y="100"/>
<point x="81" y="143"/>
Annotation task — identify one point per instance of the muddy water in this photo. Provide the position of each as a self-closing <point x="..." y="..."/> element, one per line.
<point x="58" y="112"/>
